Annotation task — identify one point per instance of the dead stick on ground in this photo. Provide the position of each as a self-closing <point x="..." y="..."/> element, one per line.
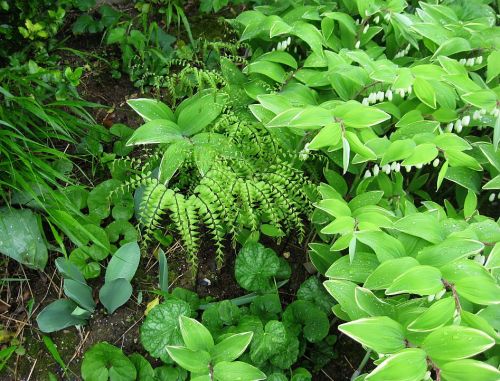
<point x="31" y="371"/>
<point x="128" y="329"/>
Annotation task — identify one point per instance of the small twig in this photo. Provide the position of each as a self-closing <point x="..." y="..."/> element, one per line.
<point x="78" y="349"/>
<point x="31" y="371"/>
<point x="361" y="365"/>
<point x="128" y="329"/>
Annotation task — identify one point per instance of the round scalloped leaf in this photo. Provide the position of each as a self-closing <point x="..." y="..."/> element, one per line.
<point x="104" y="361"/>
<point x="255" y="266"/>
<point x="161" y="328"/>
<point x="88" y="267"/>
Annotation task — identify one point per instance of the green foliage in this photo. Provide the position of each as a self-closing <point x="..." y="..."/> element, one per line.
<point x="22" y="239"/>
<point x="205" y="360"/>
<point x="376" y="88"/>
<point x="256" y="266"/>
<point x="23" y="22"/>
<point x="215" y="170"/>
<point x="105" y="362"/>
<point x="115" y="292"/>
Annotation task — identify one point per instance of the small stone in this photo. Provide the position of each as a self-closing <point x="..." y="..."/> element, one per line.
<point x="205" y="282"/>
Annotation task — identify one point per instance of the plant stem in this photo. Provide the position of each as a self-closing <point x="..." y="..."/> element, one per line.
<point x="361" y="365"/>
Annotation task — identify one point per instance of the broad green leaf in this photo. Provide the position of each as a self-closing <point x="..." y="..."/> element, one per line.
<point x="389" y="270"/>
<point x="436" y="316"/>
<point x="105" y="362"/>
<point x="269" y="69"/>
<point x="231" y="347"/>
<point x="372" y="305"/>
<point x="279" y="57"/>
<point x="357" y="270"/>
<point x="425" y="92"/>
<point x="80" y="294"/>
<point x="447" y="141"/>
<point x="115" y="293"/>
<point x="364" y="199"/>
<point x="380" y="333"/>
<point x="196" y="337"/>
<point x="313" y="291"/>
<point x="341" y="225"/>
<point x="196" y="113"/>
<point x="493" y="65"/>
<point x="302" y="313"/>
<point x="21" y="238"/>
<point x="385" y="246"/>
<point x="486" y="99"/>
<point x="422" y="154"/>
<point x="344" y="293"/>
<point x="151" y="109"/>
<point x="466" y="370"/>
<point x="461" y="159"/>
<point x="156" y="131"/>
<point x="305" y="117"/>
<point x="335" y="207"/>
<point x="321" y="256"/>
<point x="451" y="249"/>
<point x="237" y="370"/>
<point x="343" y="18"/>
<point x="255" y="267"/>
<point x="124" y="262"/>
<point x="408" y="365"/>
<point x="310" y="34"/>
<point x="493" y="260"/>
<point x="173" y="158"/>
<point x="161" y="327"/>
<point x="142" y="366"/>
<point x="328" y="136"/>
<point x="58" y="315"/>
<point x="494" y="183"/>
<point x="356" y="115"/>
<point x="464" y="177"/>
<point x="69" y="270"/>
<point x="479" y="290"/>
<point x="455" y="343"/>
<point x="452" y="46"/>
<point x="398" y="150"/>
<point x="193" y="361"/>
<point x="420" y="280"/>
<point x="421" y="225"/>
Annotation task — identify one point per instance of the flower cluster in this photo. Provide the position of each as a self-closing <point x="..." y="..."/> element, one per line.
<point x="471" y="61"/>
<point x="395" y="167"/>
<point x="283" y="45"/>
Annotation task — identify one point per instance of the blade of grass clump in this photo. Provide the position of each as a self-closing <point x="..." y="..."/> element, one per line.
<point x="162" y="259"/>
<point x="54" y="352"/>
